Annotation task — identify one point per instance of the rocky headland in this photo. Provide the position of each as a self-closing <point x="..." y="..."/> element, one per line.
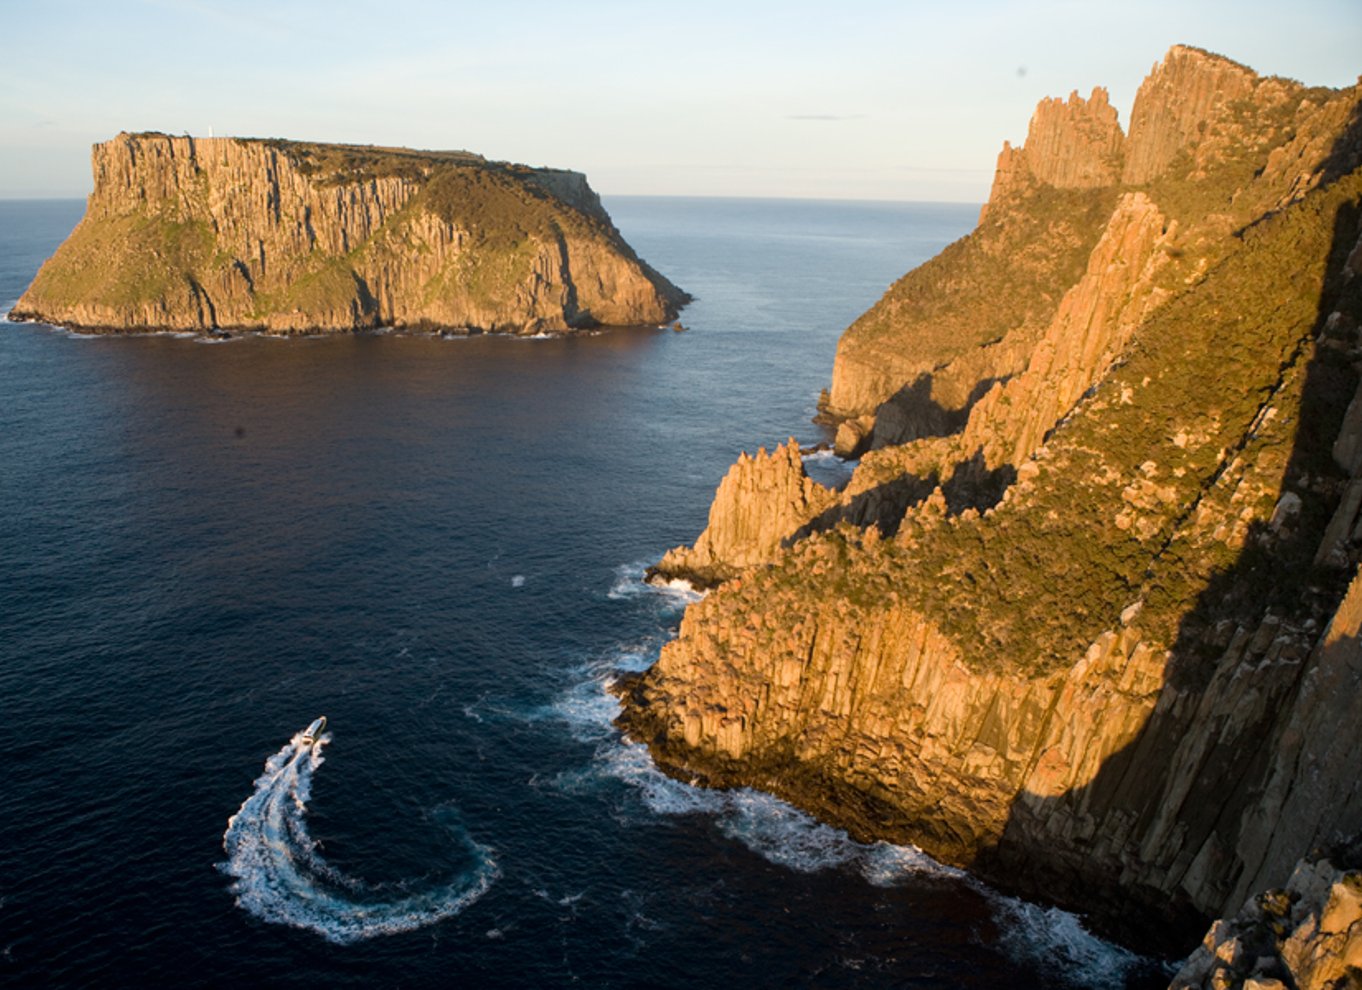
<point x="1086" y="617"/>
<point x="225" y="234"/>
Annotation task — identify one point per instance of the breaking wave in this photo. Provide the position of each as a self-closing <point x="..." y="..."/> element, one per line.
<point x="773" y="829"/>
<point x="630" y="583"/>
<point x="827" y="468"/>
<point x="768" y="826"/>
<point x="1058" y="944"/>
<point x="824" y="456"/>
<point x="280" y="876"/>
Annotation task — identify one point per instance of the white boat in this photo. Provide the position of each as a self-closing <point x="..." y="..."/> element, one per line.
<point x="314" y="730"/>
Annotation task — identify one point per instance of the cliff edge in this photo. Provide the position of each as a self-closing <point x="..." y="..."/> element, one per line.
<point x="212" y="234"/>
<point x="1085" y="619"/>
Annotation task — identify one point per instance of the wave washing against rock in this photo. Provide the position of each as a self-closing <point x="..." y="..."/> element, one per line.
<point x="281" y="878"/>
<point x="828" y="469"/>
<point x="1057" y="944"/>
<point x="1053" y="941"/>
<point x="672" y="595"/>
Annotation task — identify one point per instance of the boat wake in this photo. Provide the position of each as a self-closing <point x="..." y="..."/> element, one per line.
<point x="280" y="876"/>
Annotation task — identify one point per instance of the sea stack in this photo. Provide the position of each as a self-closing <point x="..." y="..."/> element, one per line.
<point x="226" y="234"/>
<point x="1085" y="619"/>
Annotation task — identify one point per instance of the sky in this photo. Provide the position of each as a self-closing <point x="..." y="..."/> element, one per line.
<point x="838" y="99"/>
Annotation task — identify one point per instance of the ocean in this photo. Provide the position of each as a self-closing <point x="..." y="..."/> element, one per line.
<point x="438" y="544"/>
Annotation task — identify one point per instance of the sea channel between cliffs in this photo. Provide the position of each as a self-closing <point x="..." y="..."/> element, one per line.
<point x="414" y="536"/>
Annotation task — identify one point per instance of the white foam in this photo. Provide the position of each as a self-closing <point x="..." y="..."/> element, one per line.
<point x="773" y="829"/>
<point x="785" y="835"/>
<point x="69" y="333"/>
<point x="823" y="456"/>
<point x="631" y="763"/>
<point x="1057" y="943"/>
<point x="680" y="585"/>
<point x="470" y="710"/>
<point x="884" y="864"/>
<point x="1048" y="939"/>
<point x="280" y="876"/>
<point x="768" y="826"/>
<point x="828" y="469"/>
<point x="588" y="711"/>
<point x="629" y="583"/>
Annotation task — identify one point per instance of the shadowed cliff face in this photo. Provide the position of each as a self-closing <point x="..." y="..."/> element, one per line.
<point x="1243" y="763"/>
<point x="1099" y="655"/>
<point x="226" y="233"/>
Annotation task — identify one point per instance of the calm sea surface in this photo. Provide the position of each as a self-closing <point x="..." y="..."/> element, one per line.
<point x="438" y="545"/>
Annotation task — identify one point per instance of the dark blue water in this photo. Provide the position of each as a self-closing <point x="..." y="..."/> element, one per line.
<point x="437" y="544"/>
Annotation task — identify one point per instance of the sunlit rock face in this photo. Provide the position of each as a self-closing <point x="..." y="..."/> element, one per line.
<point x="1085" y="618"/>
<point x="212" y="234"/>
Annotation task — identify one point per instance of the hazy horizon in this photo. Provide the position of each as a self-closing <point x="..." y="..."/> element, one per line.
<point x="872" y="101"/>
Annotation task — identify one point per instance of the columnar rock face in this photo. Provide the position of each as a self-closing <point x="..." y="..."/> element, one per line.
<point x="1202" y="126"/>
<point x="1073" y="144"/>
<point x="1089" y="332"/>
<point x="1184" y="94"/>
<point x="1097" y="639"/>
<point x="226" y="233"/>
<point x="913" y="364"/>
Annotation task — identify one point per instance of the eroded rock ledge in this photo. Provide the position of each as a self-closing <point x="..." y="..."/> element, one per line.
<point x="1307" y="935"/>
<point x="212" y="234"/>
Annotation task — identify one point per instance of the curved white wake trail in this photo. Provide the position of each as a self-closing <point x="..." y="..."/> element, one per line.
<point x="282" y="878"/>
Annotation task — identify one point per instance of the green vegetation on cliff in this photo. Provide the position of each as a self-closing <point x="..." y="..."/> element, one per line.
<point x="1047" y="571"/>
<point x="348" y="164"/>
<point x="1009" y="273"/>
<point x="1110" y="518"/>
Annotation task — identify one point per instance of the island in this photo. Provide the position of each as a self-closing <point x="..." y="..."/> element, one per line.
<point x="221" y="235"/>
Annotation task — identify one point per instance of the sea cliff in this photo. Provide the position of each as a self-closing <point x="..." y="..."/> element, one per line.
<point x="213" y="234"/>
<point x="1085" y="619"/>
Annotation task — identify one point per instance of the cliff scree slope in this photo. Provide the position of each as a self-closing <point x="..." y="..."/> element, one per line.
<point x="216" y="234"/>
<point x="1085" y="618"/>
